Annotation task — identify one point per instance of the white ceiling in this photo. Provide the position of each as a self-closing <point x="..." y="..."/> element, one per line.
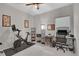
<point x="43" y="7"/>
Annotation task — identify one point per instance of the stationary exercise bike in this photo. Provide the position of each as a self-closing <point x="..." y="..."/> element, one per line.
<point x="20" y="40"/>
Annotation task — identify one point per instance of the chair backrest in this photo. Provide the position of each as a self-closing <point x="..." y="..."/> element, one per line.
<point x="61" y="36"/>
<point x="62" y="32"/>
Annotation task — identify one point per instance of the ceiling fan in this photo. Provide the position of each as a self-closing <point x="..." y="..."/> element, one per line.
<point x="35" y="5"/>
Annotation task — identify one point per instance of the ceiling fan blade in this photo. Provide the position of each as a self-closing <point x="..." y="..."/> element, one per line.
<point x="39" y="3"/>
<point x="33" y="4"/>
<point x="29" y="4"/>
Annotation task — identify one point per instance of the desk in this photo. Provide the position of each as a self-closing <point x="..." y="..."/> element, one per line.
<point x="48" y="40"/>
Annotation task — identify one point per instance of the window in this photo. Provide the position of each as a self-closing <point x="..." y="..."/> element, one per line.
<point x="43" y="27"/>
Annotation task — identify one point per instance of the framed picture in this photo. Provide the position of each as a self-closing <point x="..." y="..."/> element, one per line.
<point x="26" y="23"/>
<point x="51" y="26"/>
<point x="6" y="21"/>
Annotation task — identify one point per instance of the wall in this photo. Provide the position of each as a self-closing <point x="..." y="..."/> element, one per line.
<point x="37" y="23"/>
<point x="17" y="18"/>
<point x="49" y="17"/>
<point x="76" y="26"/>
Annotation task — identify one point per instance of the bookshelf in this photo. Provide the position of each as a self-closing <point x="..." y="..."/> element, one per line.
<point x="33" y="34"/>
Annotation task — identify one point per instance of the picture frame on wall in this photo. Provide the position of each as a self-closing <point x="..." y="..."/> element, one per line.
<point x="26" y="23"/>
<point x="51" y="26"/>
<point x="6" y="21"/>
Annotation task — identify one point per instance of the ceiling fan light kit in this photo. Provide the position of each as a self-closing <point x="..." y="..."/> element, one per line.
<point x="35" y="5"/>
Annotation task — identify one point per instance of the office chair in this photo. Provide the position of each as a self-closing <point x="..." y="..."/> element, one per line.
<point x="61" y="40"/>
